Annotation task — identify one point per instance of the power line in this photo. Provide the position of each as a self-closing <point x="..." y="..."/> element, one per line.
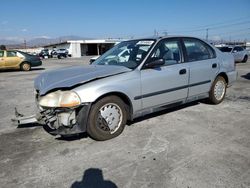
<point x="228" y="21"/>
<point x="229" y="25"/>
<point x="214" y="28"/>
<point x="200" y="28"/>
<point x="239" y="34"/>
<point x="235" y="31"/>
<point x="207" y="28"/>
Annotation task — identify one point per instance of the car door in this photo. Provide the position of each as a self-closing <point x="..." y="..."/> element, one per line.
<point x="203" y="66"/>
<point x="12" y="60"/>
<point x="236" y="54"/>
<point x="2" y="58"/>
<point x="240" y="53"/>
<point x="168" y="83"/>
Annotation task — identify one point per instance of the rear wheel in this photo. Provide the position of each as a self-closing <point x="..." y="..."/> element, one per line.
<point x="107" y="118"/>
<point x="25" y="66"/>
<point x="245" y="59"/>
<point x="218" y="90"/>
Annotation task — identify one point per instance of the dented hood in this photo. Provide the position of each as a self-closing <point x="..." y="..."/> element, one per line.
<point x="71" y="76"/>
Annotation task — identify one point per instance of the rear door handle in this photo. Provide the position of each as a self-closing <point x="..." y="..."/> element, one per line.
<point x="214" y="65"/>
<point x="183" y="71"/>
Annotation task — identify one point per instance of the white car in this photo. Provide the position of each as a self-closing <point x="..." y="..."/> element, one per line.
<point x="123" y="56"/>
<point x="239" y="53"/>
<point x="248" y="50"/>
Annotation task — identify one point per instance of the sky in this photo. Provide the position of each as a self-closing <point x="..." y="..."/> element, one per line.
<point x="222" y="19"/>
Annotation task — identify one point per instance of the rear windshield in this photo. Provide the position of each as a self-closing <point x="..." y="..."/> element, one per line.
<point x="225" y="49"/>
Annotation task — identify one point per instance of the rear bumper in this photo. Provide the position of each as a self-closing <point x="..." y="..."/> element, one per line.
<point x="36" y="63"/>
<point x="232" y="77"/>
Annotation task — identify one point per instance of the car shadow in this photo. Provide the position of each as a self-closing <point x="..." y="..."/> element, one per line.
<point x="93" y="178"/>
<point x="246" y="76"/>
<point x="73" y="137"/>
<point x="17" y="70"/>
<point x="162" y="112"/>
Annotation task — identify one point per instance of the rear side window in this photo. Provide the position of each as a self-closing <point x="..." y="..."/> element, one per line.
<point x="1" y="53"/>
<point x="11" y="54"/>
<point x="225" y="49"/>
<point x="238" y="49"/>
<point x="198" y="50"/>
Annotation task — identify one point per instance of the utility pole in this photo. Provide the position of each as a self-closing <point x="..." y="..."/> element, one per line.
<point x="207" y="34"/>
<point x="155" y="33"/>
<point x="25" y="45"/>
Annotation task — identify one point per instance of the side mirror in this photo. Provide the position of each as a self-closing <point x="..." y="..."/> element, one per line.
<point x="155" y="63"/>
<point x="91" y="61"/>
<point x="234" y="51"/>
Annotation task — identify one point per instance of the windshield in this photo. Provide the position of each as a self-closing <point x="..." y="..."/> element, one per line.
<point x="22" y="54"/>
<point x="128" y="53"/>
<point x="225" y="49"/>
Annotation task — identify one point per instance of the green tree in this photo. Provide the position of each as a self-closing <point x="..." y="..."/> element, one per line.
<point x="2" y="47"/>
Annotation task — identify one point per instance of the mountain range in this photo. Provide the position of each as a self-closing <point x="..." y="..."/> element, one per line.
<point x="38" y="41"/>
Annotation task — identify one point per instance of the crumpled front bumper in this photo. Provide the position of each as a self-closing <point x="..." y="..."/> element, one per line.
<point x="64" y="121"/>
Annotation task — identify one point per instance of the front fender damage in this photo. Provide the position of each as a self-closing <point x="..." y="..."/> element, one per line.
<point x="66" y="121"/>
<point x="58" y="121"/>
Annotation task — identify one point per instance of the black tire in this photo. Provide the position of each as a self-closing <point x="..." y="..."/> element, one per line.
<point x="97" y="127"/>
<point x="213" y="98"/>
<point x="25" y="66"/>
<point x="245" y="59"/>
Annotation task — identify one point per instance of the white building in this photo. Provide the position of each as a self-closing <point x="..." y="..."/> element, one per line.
<point x="78" y="48"/>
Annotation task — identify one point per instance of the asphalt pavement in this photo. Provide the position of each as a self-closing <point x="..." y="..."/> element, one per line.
<point x="196" y="145"/>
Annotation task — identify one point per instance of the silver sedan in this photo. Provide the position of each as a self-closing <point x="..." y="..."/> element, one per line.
<point x="153" y="74"/>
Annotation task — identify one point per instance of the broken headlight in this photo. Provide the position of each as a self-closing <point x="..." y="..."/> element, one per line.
<point x="60" y="99"/>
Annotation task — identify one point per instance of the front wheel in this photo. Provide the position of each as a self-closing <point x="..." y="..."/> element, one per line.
<point x="218" y="90"/>
<point x="107" y="118"/>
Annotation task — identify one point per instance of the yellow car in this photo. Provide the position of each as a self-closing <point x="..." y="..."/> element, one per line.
<point x="12" y="59"/>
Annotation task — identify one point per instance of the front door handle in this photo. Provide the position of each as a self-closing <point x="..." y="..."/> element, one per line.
<point x="214" y="65"/>
<point x="183" y="71"/>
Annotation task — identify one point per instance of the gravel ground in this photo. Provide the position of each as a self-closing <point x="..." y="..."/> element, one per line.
<point x="196" y="145"/>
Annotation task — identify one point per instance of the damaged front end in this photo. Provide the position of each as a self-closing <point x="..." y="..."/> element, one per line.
<point x="64" y="121"/>
<point x="62" y="113"/>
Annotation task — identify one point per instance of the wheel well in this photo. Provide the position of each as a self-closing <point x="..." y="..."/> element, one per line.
<point x="124" y="98"/>
<point x="224" y="75"/>
<point x="24" y="62"/>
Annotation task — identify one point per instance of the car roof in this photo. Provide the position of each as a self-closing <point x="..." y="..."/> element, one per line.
<point x="164" y="37"/>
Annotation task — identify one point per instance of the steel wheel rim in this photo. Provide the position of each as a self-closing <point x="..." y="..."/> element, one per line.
<point x="219" y="90"/>
<point x="26" y="66"/>
<point x="110" y="117"/>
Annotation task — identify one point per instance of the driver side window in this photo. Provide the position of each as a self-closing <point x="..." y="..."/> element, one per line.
<point x="169" y="51"/>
